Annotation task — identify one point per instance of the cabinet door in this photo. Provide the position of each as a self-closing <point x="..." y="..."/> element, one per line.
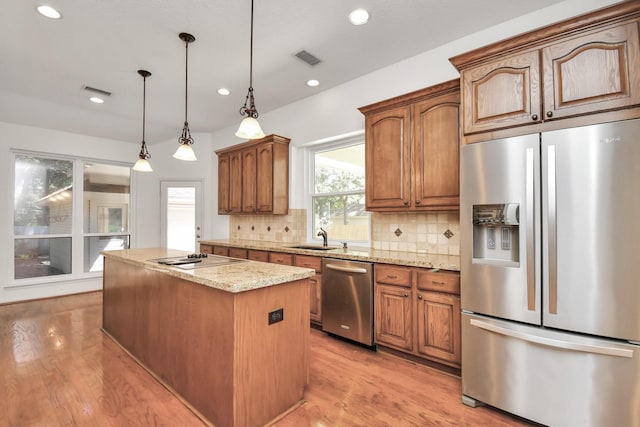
<point x="249" y="180"/>
<point x="502" y="93"/>
<point x="436" y="147"/>
<point x="235" y="184"/>
<point x="315" y="295"/>
<point x="592" y="73"/>
<point x="393" y="316"/>
<point x="264" y="174"/>
<point x="439" y="326"/>
<point x="224" y="184"/>
<point x="388" y="159"/>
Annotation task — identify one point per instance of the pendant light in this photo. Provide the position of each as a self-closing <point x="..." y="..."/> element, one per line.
<point x="184" y="151"/>
<point x="249" y="127"/>
<point x="142" y="165"/>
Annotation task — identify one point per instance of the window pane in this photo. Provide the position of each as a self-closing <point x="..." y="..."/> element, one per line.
<point x="339" y="170"/>
<point x="181" y="218"/>
<point x="342" y="217"/>
<point x="106" y="198"/>
<point x="93" y="245"/>
<point x="43" y="196"/>
<point x="42" y="257"/>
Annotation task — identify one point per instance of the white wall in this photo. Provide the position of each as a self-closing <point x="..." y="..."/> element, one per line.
<point x="335" y="111"/>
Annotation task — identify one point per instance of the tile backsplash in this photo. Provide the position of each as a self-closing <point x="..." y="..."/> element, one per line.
<point x="424" y="232"/>
<point x="290" y="228"/>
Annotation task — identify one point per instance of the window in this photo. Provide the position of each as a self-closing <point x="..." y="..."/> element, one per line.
<point x="45" y="221"/>
<point x="338" y="204"/>
<point x="106" y="192"/>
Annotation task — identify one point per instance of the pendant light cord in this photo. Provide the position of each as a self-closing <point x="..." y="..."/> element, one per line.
<point x="144" y="105"/>
<point x="251" y="51"/>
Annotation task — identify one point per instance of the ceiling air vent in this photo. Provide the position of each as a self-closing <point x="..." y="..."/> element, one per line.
<point x="94" y="90"/>
<point x="305" y="56"/>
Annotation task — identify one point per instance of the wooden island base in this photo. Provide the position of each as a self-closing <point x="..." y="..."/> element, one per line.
<point x="215" y="349"/>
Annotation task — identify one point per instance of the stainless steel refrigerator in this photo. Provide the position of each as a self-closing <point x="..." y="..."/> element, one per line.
<point x="550" y="275"/>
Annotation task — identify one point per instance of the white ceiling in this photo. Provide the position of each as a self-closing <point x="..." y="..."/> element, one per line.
<point x="102" y="43"/>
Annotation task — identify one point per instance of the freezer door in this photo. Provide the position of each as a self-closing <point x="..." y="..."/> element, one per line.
<point x="591" y="226"/>
<point x="553" y="378"/>
<point x="494" y="173"/>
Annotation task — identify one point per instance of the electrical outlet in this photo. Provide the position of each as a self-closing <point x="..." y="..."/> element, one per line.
<point x="276" y="316"/>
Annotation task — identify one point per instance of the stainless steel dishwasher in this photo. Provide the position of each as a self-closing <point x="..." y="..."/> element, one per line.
<point x="347" y="299"/>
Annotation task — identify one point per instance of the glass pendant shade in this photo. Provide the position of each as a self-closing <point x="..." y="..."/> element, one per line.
<point x="185" y="152"/>
<point x="142" y="165"/>
<point x="250" y="129"/>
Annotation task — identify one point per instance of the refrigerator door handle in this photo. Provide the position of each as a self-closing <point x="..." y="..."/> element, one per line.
<point x="530" y="230"/>
<point x="551" y="228"/>
<point x="550" y="342"/>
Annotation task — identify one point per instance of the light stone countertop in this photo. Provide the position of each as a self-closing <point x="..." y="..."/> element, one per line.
<point x="234" y="278"/>
<point x="411" y="259"/>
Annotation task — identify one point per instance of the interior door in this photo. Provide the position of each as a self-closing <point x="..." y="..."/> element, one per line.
<point x="494" y="173"/>
<point x="181" y="214"/>
<point x="591" y="188"/>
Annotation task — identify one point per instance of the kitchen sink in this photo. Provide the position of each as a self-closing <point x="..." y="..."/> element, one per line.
<point x="315" y="247"/>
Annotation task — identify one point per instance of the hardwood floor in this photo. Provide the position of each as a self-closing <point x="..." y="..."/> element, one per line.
<point x="58" y="369"/>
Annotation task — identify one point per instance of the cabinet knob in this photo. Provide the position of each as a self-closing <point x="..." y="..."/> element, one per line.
<point x="549" y="113"/>
<point x="417" y="202"/>
<point x="419" y="296"/>
<point x="406" y="295"/>
<point x="406" y="203"/>
<point x="534" y="117"/>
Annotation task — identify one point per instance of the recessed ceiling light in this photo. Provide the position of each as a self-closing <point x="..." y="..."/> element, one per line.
<point x="359" y="17"/>
<point x="313" y="83"/>
<point x="224" y="91"/>
<point x="96" y="100"/>
<point x="48" y="11"/>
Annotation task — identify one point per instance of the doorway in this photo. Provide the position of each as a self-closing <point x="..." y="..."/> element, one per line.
<point x="181" y="214"/>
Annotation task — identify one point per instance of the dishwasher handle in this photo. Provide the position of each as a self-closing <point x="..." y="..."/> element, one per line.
<point x="356" y="270"/>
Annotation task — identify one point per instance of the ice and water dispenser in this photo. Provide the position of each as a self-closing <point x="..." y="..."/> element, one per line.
<point x="496" y="232"/>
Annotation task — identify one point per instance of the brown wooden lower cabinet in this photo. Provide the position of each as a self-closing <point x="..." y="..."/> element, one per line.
<point x="315" y="285"/>
<point x="411" y="317"/>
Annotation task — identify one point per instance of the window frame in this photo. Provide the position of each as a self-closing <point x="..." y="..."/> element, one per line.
<point x="77" y="234"/>
<point x="356" y="138"/>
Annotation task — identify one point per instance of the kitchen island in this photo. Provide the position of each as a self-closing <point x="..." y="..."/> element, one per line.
<point x="231" y="341"/>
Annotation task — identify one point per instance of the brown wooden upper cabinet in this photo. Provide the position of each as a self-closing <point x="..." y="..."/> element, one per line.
<point x="411" y="150"/>
<point x="574" y="69"/>
<point x="253" y="177"/>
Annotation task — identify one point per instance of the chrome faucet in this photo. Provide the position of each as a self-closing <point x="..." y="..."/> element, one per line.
<point x="324" y="236"/>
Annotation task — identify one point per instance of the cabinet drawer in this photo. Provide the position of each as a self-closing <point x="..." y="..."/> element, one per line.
<point x="221" y="250"/>
<point x="280" y="258"/>
<point x="392" y="275"/>
<point x="238" y="253"/>
<point x="439" y="282"/>
<point x="309" y="262"/>
<point x="206" y="249"/>
<point x="262" y="256"/>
